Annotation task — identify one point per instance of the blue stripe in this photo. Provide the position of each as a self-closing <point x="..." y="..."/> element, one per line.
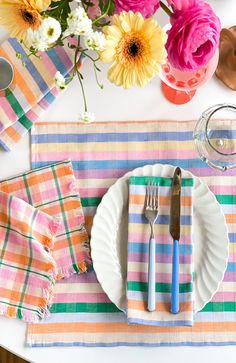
<point x="34" y="72"/>
<point x="160" y="248"/>
<point x="232" y="237"/>
<point x="57" y="62"/>
<point x="112" y="137"/>
<point x="125" y="164"/>
<point x="231" y="267"/>
<point x="125" y="344"/>
<point x="226" y="134"/>
<point x="162" y="219"/>
<point x="160" y="322"/>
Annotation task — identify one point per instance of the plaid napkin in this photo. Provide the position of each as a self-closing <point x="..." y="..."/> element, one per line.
<point x="138" y="243"/>
<point x="53" y="190"/>
<point x="27" y="269"/>
<point x="33" y="90"/>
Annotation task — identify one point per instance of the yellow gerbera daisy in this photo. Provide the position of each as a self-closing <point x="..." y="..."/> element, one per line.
<point x="136" y="46"/>
<point x="17" y="16"/>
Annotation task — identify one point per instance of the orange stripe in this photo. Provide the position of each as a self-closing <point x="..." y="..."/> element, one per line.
<point x="14" y="297"/>
<point x="126" y="328"/>
<point x="160" y="306"/>
<point x="21" y="82"/>
<point x="12" y="186"/>
<point x="230" y="218"/>
<point x="76" y="239"/>
<point x="23" y="261"/>
<point x="140" y="199"/>
<point x="12" y="133"/>
<point x="69" y="205"/>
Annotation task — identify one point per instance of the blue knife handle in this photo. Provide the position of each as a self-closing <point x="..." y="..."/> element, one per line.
<point x="152" y="276"/>
<point x="175" y="279"/>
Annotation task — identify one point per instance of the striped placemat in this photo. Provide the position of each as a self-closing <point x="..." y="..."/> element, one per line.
<point x="33" y="88"/>
<point x="101" y="152"/>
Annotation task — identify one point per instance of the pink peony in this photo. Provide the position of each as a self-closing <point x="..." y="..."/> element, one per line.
<point x="194" y="35"/>
<point x="146" y="7"/>
<point x="179" y="5"/>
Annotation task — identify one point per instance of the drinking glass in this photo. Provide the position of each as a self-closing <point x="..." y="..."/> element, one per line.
<point x="178" y="86"/>
<point x="6" y="76"/>
<point x="215" y="136"/>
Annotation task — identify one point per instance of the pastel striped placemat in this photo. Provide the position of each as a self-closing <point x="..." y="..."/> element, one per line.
<point x="101" y="152"/>
<point x="33" y="89"/>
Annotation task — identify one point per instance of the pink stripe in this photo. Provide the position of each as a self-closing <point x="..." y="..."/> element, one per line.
<point x="143" y="257"/>
<point x="81" y="297"/>
<point x="88" y="277"/>
<point x="224" y="296"/>
<point x="160" y="277"/>
<point x="49" y="64"/>
<point x="223" y="189"/>
<point x="92" y="192"/>
<point x="8" y="111"/>
<point x="162" y="238"/>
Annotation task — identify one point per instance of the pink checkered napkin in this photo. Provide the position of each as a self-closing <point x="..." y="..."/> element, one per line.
<point x="27" y="269"/>
<point x="53" y="190"/>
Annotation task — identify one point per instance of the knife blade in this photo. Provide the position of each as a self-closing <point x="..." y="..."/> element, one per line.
<point x="174" y="228"/>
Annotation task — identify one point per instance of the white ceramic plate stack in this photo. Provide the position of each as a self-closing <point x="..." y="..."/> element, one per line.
<point x="109" y="238"/>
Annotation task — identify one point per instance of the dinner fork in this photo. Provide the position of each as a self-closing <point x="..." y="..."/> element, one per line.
<point x="151" y="214"/>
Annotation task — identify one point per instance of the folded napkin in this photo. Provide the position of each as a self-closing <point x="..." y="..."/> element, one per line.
<point x="33" y="89"/>
<point x="138" y="245"/>
<point x="27" y="269"/>
<point x="53" y="190"/>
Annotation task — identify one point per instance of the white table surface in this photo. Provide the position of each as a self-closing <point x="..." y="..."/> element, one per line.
<point x="113" y="103"/>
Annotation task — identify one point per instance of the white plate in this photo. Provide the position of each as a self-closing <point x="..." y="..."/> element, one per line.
<point x="109" y="238"/>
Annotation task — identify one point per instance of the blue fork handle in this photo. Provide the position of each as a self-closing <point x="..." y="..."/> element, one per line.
<point x="175" y="279"/>
<point x="152" y="276"/>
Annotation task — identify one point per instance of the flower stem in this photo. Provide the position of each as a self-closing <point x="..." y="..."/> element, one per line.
<point x="166" y="9"/>
<point x="76" y="71"/>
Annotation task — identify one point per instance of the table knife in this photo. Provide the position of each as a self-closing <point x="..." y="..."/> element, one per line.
<point x="175" y="233"/>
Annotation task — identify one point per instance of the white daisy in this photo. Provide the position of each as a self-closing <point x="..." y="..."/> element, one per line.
<point x="60" y="81"/>
<point x="87" y="117"/>
<point x="78" y="23"/>
<point x="95" y="41"/>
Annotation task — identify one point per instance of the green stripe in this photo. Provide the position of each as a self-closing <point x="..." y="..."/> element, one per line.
<point x="14" y="230"/>
<point x="27" y="190"/>
<point x="24" y="121"/>
<point x="226" y="199"/>
<point x="84" y="308"/>
<point x="144" y="180"/>
<point x="7" y="303"/>
<point x="64" y="216"/>
<point x="56" y="200"/>
<point x="220" y="306"/>
<point x="24" y="269"/>
<point x="160" y="287"/>
<point x="29" y="267"/>
<point x="90" y="202"/>
<point x="8" y="212"/>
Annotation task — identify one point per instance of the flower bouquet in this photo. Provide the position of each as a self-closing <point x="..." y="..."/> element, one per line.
<point x="121" y="32"/>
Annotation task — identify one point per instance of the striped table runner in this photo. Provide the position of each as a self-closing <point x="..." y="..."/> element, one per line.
<point x="101" y="152"/>
<point x="138" y="249"/>
<point x="33" y="89"/>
